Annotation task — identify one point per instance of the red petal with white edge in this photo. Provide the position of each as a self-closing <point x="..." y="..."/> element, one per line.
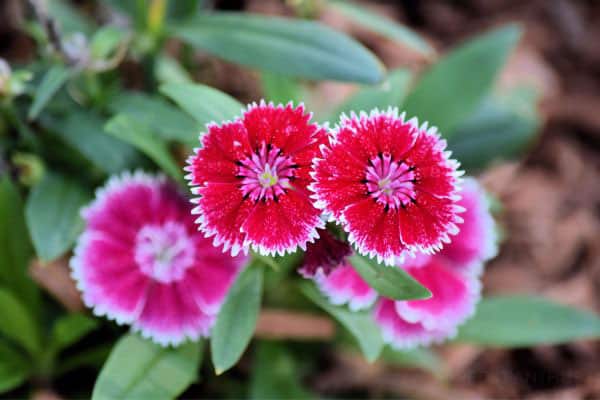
<point x="222" y="147"/>
<point x="374" y="230"/>
<point x="275" y="227"/>
<point x="223" y="212"/>
<point x="427" y="223"/>
<point x="284" y="127"/>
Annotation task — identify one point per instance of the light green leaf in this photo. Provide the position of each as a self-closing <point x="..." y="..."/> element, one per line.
<point x="70" y="328"/>
<point x="382" y="25"/>
<point x="14" y="368"/>
<point x="237" y="319"/>
<point x="285" y="46"/>
<point x="169" y="70"/>
<point x="141" y="369"/>
<point x="389" y="282"/>
<point x="360" y="324"/>
<point x="17" y="324"/>
<point x="69" y="19"/>
<point x="203" y="103"/>
<point x="15" y="246"/>
<point x="52" y="81"/>
<point x="140" y="136"/>
<point x="501" y="128"/>
<point x="281" y="380"/>
<point x="453" y="88"/>
<point x="280" y="89"/>
<point x="84" y="131"/>
<point x="391" y="92"/>
<point x="106" y="41"/>
<point x="168" y="121"/>
<point x="52" y="214"/>
<point x="516" y="321"/>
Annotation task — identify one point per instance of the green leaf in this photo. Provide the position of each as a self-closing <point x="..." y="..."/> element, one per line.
<point x="501" y="128"/>
<point x="203" y="103"/>
<point x="169" y="70"/>
<point x="106" y="41"/>
<point x="93" y="357"/>
<point x="52" y="213"/>
<point x="141" y="369"/>
<point x="237" y="319"/>
<point x="281" y="379"/>
<point x="391" y="92"/>
<point x="14" y="368"/>
<point x="453" y="88"/>
<point x="15" y="246"/>
<point x="389" y="282"/>
<point x="69" y="19"/>
<point x="168" y="121"/>
<point x="285" y="46"/>
<point x="516" y="321"/>
<point x="70" y="328"/>
<point x="52" y="81"/>
<point x="84" y="130"/>
<point x="382" y="25"/>
<point x="140" y="136"/>
<point x="280" y="89"/>
<point x="359" y="323"/>
<point x="17" y="324"/>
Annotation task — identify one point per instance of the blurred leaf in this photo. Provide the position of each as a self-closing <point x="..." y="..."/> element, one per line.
<point x="14" y="368"/>
<point x="391" y="92"/>
<point x="390" y="282"/>
<point x="84" y="131"/>
<point x="69" y="18"/>
<point x="70" y="328"/>
<point x="280" y="380"/>
<point x="52" y="214"/>
<point x="168" y="121"/>
<point x="382" y="25"/>
<point x="141" y="369"/>
<point x="140" y="136"/>
<point x="453" y="88"/>
<point x="203" y="103"/>
<point x="169" y="70"/>
<point x="105" y="41"/>
<point x="17" y="324"/>
<point x="280" y="89"/>
<point x="517" y="321"/>
<point x="51" y="82"/>
<point x="501" y="128"/>
<point x="419" y="357"/>
<point x="359" y="323"/>
<point x="237" y="319"/>
<point x="286" y="46"/>
<point x="15" y="246"/>
<point x="93" y="357"/>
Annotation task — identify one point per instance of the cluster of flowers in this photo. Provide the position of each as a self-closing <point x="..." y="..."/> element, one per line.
<point x="269" y="181"/>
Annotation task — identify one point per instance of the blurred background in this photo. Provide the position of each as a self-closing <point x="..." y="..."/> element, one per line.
<point x="546" y="182"/>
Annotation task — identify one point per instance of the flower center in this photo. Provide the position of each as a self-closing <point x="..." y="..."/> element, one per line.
<point x="266" y="174"/>
<point x="390" y="182"/>
<point x="164" y="252"/>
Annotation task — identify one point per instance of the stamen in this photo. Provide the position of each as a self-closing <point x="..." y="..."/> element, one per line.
<point x="389" y="182"/>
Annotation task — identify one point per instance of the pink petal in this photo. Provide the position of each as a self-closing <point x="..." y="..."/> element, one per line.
<point x="345" y="286"/>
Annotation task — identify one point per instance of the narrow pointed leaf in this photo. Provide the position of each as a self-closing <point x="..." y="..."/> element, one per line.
<point x="359" y="324"/>
<point x="143" y="138"/>
<point x="140" y="369"/>
<point x="50" y="84"/>
<point x="516" y="321"/>
<point x="203" y="103"/>
<point x="237" y="319"/>
<point x="70" y="328"/>
<point x="453" y="88"/>
<point x="17" y="324"/>
<point x="281" y="45"/>
<point x="14" y="367"/>
<point x="382" y="25"/>
<point x="389" y="282"/>
<point x="52" y="213"/>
